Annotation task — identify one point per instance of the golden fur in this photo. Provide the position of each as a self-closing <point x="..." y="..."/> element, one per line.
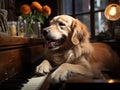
<point x="76" y="55"/>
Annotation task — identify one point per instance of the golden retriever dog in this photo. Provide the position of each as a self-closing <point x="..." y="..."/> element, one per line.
<point x="69" y="52"/>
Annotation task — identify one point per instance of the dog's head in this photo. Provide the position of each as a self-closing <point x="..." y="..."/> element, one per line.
<point x="65" y="31"/>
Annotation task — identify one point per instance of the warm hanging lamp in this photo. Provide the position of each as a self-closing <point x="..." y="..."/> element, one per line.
<point x="112" y="12"/>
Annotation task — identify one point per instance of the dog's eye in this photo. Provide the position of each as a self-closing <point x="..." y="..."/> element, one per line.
<point x="61" y="24"/>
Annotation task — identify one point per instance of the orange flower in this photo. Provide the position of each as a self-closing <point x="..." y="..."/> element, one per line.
<point x="46" y="10"/>
<point x="25" y="9"/>
<point x="36" y="5"/>
<point x="35" y="12"/>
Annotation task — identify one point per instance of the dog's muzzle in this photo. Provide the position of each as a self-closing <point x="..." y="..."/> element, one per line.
<point x="51" y="42"/>
<point x="54" y="43"/>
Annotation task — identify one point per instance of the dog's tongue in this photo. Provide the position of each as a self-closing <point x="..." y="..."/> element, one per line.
<point x="50" y="45"/>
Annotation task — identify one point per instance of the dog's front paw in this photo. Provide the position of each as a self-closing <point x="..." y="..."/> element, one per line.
<point x="60" y="74"/>
<point x="43" y="68"/>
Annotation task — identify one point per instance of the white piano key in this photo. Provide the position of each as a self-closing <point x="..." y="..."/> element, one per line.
<point x="34" y="83"/>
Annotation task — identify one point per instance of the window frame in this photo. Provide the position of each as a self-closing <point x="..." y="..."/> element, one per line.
<point x="91" y="13"/>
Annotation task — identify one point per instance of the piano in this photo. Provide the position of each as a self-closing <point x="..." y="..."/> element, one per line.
<point x="18" y="60"/>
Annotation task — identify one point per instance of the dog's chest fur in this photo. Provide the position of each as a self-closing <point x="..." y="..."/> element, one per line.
<point x="57" y="58"/>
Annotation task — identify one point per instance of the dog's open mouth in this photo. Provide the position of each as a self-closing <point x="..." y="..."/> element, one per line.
<point x="54" y="43"/>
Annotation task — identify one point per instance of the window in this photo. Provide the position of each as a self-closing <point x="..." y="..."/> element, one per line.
<point x="99" y="18"/>
<point x="90" y="12"/>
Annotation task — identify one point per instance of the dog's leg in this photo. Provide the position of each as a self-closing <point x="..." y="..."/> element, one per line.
<point x="65" y="70"/>
<point x="44" y="68"/>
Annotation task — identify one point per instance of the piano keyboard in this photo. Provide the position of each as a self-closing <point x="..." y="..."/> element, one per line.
<point x="23" y="81"/>
<point x="34" y="83"/>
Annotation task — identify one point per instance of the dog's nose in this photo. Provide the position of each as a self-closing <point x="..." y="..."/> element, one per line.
<point x="45" y="31"/>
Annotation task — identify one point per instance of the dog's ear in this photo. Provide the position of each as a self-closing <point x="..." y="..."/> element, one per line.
<point x="80" y="33"/>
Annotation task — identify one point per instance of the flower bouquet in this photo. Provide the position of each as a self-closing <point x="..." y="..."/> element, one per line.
<point x="34" y="13"/>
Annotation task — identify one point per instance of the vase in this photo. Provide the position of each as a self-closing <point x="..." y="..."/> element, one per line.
<point x="33" y="30"/>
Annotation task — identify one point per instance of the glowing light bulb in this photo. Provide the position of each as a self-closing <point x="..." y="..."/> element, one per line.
<point x="113" y="11"/>
<point x="110" y="81"/>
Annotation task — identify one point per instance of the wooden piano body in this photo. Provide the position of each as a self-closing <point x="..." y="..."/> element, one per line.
<point x="19" y="54"/>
